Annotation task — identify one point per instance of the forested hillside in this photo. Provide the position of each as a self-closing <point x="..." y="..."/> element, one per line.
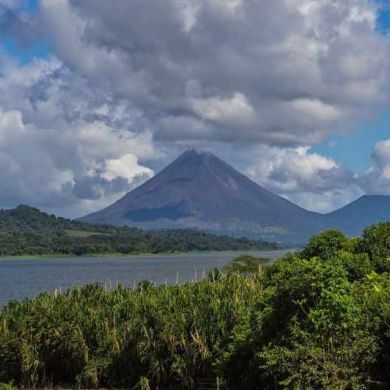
<point x="28" y="231"/>
<point x="316" y="319"/>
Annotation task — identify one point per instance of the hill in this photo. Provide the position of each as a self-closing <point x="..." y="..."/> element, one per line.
<point x="367" y="210"/>
<point x="200" y="190"/>
<point x="29" y="219"/>
<point x="28" y="231"/>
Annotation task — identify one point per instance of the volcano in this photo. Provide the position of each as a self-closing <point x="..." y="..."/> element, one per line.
<point x="199" y="190"/>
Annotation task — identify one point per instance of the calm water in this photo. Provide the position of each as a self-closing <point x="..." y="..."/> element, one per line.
<point x="27" y="278"/>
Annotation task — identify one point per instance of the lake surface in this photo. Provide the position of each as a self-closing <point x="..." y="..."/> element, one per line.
<point x="27" y="278"/>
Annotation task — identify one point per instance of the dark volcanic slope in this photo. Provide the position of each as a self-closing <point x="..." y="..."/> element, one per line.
<point x="200" y="190"/>
<point x="366" y="210"/>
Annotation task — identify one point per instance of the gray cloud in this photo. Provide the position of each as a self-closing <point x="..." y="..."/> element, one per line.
<point x="55" y="152"/>
<point x="271" y="72"/>
<point x="309" y="179"/>
<point x="257" y="82"/>
<point x="377" y="178"/>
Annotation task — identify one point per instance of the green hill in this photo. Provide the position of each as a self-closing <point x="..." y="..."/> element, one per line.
<point x="28" y="231"/>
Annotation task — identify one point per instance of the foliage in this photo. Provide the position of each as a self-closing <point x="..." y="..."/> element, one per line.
<point x="305" y="322"/>
<point x="5" y="386"/>
<point x="376" y="243"/>
<point x="324" y="342"/>
<point x="165" y="335"/>
<point x="247" y="264"/>
<point x="27" y="231"/>
<point x="325" y="245"/>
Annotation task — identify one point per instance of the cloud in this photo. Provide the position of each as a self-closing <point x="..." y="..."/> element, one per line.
<point x="308" y="179"/>
<point x="63" y="146"/>
<point x="122" y="93"/>
<point x="124" y="167"/>
<point x="266" y="72"/>
<point x="316" y="182"/>
<point x="315" y="109"/>
<point x="234" y="111"/>
<point x="377" y="178"/>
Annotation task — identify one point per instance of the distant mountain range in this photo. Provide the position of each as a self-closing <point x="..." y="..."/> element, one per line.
<point x="198" y="190"/>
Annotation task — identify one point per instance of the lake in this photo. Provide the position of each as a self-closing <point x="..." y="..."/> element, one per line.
<point x="25" y="278"/>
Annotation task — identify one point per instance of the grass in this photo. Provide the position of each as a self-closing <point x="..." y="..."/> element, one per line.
<point x="92" y="337"/>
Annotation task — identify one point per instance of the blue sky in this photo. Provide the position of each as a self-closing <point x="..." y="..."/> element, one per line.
<point x="384" y="16"/>
<point x="26" y="54"/>
<point x="354" y="149"/>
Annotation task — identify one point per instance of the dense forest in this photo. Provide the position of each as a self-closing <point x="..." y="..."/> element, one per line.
<point x="28" y="231"/>
<point x="318" y="318"/>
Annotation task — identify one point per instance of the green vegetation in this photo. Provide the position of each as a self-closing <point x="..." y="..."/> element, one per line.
<point x="27" y="231"/>
<point x="83" y="233"/>
<point x="319" y="318"/>
<point x="247" y="265"/>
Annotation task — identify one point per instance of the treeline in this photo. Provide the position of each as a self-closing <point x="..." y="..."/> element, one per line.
<point x="319" y="318"/>
<point x="28" y="231"/>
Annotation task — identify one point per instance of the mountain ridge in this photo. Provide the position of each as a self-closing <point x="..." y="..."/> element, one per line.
<point x="363" y="211"/>
<point x="199" y="190"/>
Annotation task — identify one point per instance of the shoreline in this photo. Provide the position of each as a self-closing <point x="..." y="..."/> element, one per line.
<point x="130" y="255"/>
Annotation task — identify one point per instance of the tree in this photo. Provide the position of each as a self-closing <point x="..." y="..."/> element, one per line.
<point x="376" y="243"/>
<point x="325" y="245"/>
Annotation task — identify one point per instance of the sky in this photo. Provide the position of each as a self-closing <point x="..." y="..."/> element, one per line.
<point x="97" y="96"/>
